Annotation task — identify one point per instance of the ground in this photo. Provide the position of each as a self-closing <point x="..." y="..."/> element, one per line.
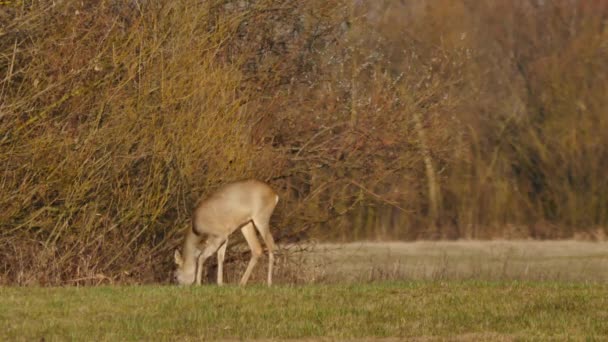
<point x="566" y="260"/>
<point x="422" y="291"/>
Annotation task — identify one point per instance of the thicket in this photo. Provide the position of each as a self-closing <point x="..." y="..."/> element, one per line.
<point x="372" y="119"/>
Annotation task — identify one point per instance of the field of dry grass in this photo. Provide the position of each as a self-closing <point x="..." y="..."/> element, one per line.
<point x="495" y="260"/>
<point x="568" y="260"/>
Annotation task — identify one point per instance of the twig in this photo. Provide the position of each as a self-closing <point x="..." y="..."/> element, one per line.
<point x="355" y="183"/>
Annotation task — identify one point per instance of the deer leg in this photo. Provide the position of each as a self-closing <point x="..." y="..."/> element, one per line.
<point x="256" y="250"/>
<point x="213" y="243"/>
<point x="221" y="253"/>
<point x="269" y="241"/>
<point x="263" y="228"/>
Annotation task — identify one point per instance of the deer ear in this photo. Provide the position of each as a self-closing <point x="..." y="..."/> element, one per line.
<point x="179" y="261"/>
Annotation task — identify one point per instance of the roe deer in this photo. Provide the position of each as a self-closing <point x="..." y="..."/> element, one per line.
<point x="247" y="205"/>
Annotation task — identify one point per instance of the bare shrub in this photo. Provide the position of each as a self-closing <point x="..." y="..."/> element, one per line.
<point x="372" y="119"/>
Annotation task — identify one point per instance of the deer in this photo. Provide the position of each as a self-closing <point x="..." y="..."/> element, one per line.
<point x="245" y="205"/>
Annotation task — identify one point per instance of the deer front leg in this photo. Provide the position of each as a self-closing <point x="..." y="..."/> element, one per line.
<point x="213" y="243"/>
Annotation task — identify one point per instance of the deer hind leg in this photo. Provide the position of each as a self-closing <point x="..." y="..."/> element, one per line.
<point x="211" y="246"/>
<point x="262" y="225"/>
<point x="221" y="253"/>
<point x="256" y="250"/>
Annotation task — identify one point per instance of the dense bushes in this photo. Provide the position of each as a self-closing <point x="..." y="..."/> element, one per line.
<point x="435" y="119"/>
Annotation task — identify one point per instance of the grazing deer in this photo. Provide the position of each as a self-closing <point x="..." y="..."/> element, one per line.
<point x="247" y="205"/>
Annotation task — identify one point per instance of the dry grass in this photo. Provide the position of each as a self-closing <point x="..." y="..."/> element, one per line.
<point x="573" y="261"/>
<point x="363" y="262"/>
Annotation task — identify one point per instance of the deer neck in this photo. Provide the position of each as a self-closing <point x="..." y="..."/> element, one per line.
<point x="190" y="251"/>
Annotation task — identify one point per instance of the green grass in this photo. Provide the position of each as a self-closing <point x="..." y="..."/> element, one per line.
<point x="470" y="310"/>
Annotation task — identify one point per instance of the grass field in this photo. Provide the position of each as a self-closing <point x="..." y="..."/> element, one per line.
<point x="527" y="260"/>
<point x="464" y="290"/>
<point x="422" y="310"/>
